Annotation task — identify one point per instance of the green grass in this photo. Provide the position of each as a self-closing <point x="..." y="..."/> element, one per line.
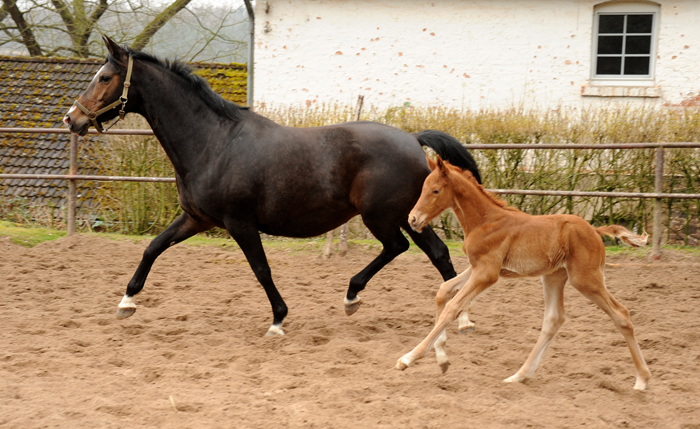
<point x="30" y="236"/>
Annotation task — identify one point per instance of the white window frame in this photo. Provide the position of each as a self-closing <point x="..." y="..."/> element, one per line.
<point x="625" y="7"/>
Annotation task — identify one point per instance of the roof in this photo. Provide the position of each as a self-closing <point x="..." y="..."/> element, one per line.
<point x="37" y="92"/>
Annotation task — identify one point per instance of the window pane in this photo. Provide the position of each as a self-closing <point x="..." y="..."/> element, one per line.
<point x="636" y="65"/>
<point x="608" y="65"/>
<point x="609" y="45"/>
<point x="611" y="23"/>
<point x="638" y="45"/>
<point x="639" y="23"/>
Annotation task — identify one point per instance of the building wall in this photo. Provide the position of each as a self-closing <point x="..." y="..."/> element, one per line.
<point x="461" y="53"/>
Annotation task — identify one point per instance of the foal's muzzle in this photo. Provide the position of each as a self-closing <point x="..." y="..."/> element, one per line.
<point x="416" y="221"/>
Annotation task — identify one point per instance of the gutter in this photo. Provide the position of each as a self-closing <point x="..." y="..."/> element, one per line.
<point x="251" y="51"/>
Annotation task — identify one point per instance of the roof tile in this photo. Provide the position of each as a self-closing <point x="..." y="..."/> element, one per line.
<point x="36" y="92"/>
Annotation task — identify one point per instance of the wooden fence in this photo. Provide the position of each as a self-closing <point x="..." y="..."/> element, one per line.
<point x="658" y="195"/>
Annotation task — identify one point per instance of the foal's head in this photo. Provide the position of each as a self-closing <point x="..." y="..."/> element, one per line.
<point x="436" y="196"/>
<point x="104" y="89"/>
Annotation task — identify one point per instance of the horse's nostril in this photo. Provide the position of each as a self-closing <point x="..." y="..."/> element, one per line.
<point x="67" y="120"/>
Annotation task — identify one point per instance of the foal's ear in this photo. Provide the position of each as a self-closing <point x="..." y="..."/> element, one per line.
<point x="441" y="166"/>
<point x="117" y="52"/>
<point x="431" y="163"/>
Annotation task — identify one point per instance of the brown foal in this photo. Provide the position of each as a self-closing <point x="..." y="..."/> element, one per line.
<point x="501" y="241"/>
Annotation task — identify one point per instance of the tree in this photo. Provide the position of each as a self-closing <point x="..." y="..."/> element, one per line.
<point x="72" y="27"/>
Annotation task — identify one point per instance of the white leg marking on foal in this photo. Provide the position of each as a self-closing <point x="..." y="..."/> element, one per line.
<point x="440" y="353"/>
<point x="127" y="302"/>
<point x="515" y="378"/>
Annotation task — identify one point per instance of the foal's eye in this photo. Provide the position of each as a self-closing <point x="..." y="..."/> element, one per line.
<point x="105" y="78"/>
<point x="437" y="191"/>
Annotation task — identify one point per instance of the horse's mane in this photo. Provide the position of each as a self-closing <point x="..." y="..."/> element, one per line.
<point x="217" y="103"/>
<point x="469" y="176"/>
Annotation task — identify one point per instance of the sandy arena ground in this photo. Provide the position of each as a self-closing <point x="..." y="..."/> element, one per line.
<point x="194" y="355"/>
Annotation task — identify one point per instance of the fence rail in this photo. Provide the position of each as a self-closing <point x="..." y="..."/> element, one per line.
<point x="658" y="195"/>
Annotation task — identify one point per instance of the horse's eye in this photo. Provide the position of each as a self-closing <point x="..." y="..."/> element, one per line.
<point x="437" y="191"/>
<point x="105" y="78"/>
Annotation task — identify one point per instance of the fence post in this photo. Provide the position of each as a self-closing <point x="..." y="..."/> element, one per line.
<point x="72" y="188"/>
<point x="658" y="188"/>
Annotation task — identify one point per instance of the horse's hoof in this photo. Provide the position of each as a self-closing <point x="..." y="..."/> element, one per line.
<point x="514" y="379"/>
<point x="444" y="366"/>
<point x="466" y="330"/>
<point x="400" y="365"/>
<point x="123" y="313"/>
<point x="352" y="306"/>
<point x="640" y="385"/>
<point x="274" y="331"/>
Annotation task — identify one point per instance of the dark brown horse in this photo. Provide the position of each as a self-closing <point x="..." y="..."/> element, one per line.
<point x="241" y="171"/>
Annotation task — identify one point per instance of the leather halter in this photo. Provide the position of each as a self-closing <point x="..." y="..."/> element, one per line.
<point x="92" y="115"/>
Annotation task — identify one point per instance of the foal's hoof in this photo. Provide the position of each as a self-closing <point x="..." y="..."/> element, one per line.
<point x="515" y="378"/>
<point x="466" y="329"/>
<point x="123" y="313"/>
<point x="444" y="366"/>
<point x="352" y="306"/>
<point x="400" y="365"/>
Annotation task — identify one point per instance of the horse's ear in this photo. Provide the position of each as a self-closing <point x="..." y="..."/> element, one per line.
<point x="117" y="52"/>
<point x="441" y="166"/>
<point x="431" y="163"/>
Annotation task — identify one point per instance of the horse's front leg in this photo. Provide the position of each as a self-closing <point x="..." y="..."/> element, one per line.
<point x="248" y="237"/>
<point x="184" y="227"/>
<point x="477" y="283"/>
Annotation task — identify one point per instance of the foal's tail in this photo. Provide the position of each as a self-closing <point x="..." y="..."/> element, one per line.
<point x="449" y="149"/>
<point x="623" y="234"/>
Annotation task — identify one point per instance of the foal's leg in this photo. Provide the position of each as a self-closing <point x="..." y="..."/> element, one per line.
<point x="394" y="244"/>
<point x="184" y="227"/>
<point x="248" y="237"/>
<point x="592" y="286"/>
<point x="478" y="282"/>
<point x="446" y="292"/>
<point x="553" y="319"/>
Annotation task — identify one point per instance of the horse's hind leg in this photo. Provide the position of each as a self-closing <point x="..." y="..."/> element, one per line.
<point x="181" y="229"/>
<point x="592" y="286"/>
<point x="554" y="317"/>
<point x="437" y="251"/>
<point x="394" y="244"/>
<point x="446" y="292"/>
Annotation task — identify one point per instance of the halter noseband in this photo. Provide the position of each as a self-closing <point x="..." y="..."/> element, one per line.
<point x="92" y="115"/>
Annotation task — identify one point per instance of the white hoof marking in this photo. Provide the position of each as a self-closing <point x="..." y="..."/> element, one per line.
<point x="127" y="302"/>
<point x="274" y="330"/>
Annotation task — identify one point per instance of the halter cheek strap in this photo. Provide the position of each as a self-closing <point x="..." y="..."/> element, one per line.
<point x="92" y="115"/>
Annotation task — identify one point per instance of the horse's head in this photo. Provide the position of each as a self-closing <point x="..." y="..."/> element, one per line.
<point x="436" y="196"/>
<point x="106" y="92"/>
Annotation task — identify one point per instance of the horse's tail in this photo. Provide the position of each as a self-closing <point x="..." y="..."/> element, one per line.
<point x="449" y="149"/>
<point x="623" y="234"/>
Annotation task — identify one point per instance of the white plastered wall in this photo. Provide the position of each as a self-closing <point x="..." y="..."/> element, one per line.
<point x="464" y="54"/>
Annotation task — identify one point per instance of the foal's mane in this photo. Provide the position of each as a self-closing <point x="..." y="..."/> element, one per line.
<point x="468" y="176"/>
<point x="215" y="101"/>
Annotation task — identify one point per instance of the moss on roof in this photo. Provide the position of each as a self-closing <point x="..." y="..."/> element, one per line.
<point x="37" y="92"/>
